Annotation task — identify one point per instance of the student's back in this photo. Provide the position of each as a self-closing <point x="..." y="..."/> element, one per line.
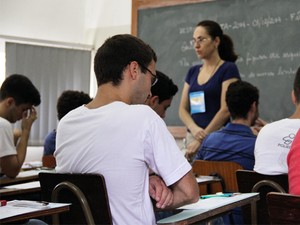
<point x="275" y="139"/>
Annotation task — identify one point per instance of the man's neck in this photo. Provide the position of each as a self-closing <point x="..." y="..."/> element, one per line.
<point x="242" y="121"/>
<point x="107" y="94"/>
<point x="296" y="114"/>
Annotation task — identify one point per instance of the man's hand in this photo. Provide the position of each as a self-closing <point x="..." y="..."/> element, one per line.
<point x="29" y="117"/>
<point x="160" y="192"/>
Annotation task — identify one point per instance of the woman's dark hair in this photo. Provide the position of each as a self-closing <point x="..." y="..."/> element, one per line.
<point x="226" y="48"/>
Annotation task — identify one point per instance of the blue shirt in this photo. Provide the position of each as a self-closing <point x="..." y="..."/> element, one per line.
<point x="234" y="142"/>
<point x="212" y="90"/>
<point x="49" y="145"/>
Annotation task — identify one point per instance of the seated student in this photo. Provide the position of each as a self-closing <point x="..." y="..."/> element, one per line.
<point x="275" y="139"/>
<point x="18" y="96"/>
<point x="160" y="100"/>
<point x="66" y="102"/>
<point x="118" y="136"/>
<point x="235" y="142"/>
<point x="293" y="162"/>
<point x="162" y="94"/>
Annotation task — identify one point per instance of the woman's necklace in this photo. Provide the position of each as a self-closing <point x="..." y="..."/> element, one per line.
<point x="214" y="70"/>
<point x="203" y="80"/>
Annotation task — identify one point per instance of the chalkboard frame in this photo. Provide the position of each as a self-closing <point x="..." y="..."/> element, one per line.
<point x="145" y="4"/>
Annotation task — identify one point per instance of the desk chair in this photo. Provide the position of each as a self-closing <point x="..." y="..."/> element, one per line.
<point x="283" y="208"/>
<point x="223" y="169"/>
<point x="86" y="192"/>
<point x="250" y="181"/>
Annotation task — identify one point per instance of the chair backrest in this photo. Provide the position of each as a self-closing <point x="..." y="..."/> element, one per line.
<point x="251" y="181"/>
<point x="224" y="169"/>
<point x="283" y="208"/>
<point x="86" y="192"/>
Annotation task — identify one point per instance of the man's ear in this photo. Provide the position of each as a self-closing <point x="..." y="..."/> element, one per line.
<point x="10" y="101"/>
<point x="294" y="100"/>
<point x="133" y="69"/>
<point x="153" y="100"/>
<point x="253" y="107"/>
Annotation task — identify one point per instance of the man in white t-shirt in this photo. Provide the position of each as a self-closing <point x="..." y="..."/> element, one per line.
<point x="275" y="139"/>
<point x="18" y="96"/>
<point x="118" y="136"/>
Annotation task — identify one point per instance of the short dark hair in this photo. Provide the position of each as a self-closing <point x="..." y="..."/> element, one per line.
<point x="297" y="86"/>
<point x="70" y="100"/>
<point x="21" y="89"/>
<point x="116" y="53"/>
<point x="164" y="88"/>
<point x="240" y="96"/>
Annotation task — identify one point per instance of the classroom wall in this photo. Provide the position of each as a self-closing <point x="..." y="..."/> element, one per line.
<point x="85" y="22"/>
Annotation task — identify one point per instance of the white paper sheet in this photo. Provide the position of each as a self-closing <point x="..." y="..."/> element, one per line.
<point x="14" y="208"/>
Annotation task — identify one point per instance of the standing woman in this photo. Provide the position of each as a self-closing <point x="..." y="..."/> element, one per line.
<point x="202" y="107"/>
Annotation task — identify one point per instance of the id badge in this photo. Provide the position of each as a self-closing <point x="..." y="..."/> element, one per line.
<point x="197" y="102"/>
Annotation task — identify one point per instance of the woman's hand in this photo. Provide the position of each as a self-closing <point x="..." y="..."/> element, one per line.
<point x="192" y="149"/>
<point x="198" y="133"/>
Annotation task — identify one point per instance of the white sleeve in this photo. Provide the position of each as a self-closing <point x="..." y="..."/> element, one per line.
<point x="164" y="156"/>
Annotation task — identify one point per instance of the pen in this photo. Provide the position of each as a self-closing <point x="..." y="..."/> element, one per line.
<point x="216" y="195"/>
<point x="43" y="202"/>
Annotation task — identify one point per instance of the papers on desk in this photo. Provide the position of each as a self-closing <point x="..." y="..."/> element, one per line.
<point x="29" y="173"/>
<point x="211" y="203"/>
<point x="202" y="179"/>
<point x="18" y="207"/>
<point x="32" y="165"/>
<point x="28" y="185"/>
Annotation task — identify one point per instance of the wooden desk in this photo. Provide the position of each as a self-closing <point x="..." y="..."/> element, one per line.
<point x="10" y="214"/>
<point x="20" y="189"/>
<point x="23" y="177"/>
<point x="207" y="209"/>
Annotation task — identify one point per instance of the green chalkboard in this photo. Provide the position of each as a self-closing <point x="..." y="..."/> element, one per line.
<point x="266" y="35"/>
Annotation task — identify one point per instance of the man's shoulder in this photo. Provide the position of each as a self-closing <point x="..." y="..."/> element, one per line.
<point x="4" y="122"/>
<point x="271" y="127"/>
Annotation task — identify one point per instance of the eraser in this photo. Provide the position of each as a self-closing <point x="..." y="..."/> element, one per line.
<point x="2" y="202"/>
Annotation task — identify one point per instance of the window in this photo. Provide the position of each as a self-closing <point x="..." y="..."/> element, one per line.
<point x="52" y="70"/>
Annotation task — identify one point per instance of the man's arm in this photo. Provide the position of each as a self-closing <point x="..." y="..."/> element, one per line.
<point x="12" y="164"/>
<point x="185" y="191"/>
<point x="160" y="192"/>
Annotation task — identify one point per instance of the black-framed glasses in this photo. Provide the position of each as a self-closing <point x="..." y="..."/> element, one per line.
<point x="153" y="76"/>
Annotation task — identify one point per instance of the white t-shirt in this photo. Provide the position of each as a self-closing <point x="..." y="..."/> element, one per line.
<point x="7" y="146"/>
<point x="273" y="144"/>
<point x="121" y="142"/>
